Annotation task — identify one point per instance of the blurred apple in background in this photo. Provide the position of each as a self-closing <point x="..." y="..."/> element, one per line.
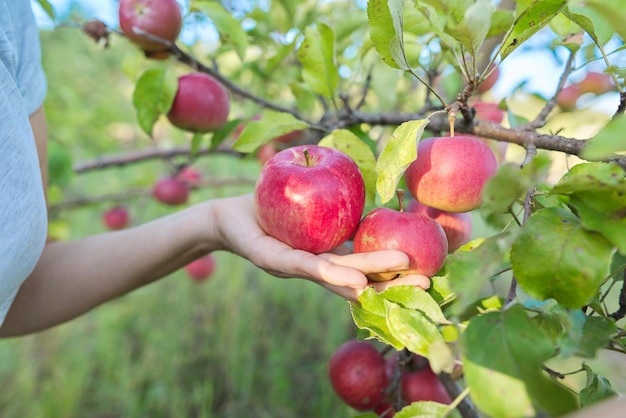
<point x="161" y="19"/>
<point x="171" y="191"/>
<point x="201" y="104"/>
<point x="116" y="217"/>
<point x="202" y="268"/>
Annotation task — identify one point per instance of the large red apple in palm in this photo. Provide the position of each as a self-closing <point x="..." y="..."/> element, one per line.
<point x="417" y="235"/>
<point x="450" y="172"/>
<point x="358" y="374"/>
<point x="310" y="197"/>
<point x="201" y="104"/>
<point x="456" y="225"/>
<point x="162" y="19"/>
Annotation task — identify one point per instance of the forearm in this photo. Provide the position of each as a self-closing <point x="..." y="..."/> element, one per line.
<point x="74" y="277"/>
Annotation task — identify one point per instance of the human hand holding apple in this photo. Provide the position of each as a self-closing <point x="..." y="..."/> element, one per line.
<point x="340" y="271"/>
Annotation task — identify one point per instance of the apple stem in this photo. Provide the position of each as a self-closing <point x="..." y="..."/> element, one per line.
<point x="307" y="157"/>
<point x="451" y="119"/>
<point x="400" y="194"/>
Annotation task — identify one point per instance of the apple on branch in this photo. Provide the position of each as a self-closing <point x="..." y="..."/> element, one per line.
<point x="310" y="197"/>
<point x="358" y="374"/>
<point x="171" y="191"/>
<point x="116" y="217"/>
<point x="201" y="104"/>
<point x="202" y="268"/>
<point x="456" y="225"/>
<point x="450" y="172"/>
<point x="148" y="23"/>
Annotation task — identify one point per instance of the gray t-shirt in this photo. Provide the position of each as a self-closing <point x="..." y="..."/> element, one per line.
<point x="23" y="218"/>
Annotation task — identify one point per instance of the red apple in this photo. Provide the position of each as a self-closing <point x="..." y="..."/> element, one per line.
<point x="423" y="385"/>
<point x="450" y="172"/>
<point x="160" y="18"/>
<point x="116" y="217"/>
<point x="310" y="197"/>
<point x="202" y="268"/>
<point x="490" y="81"/>
<point x="201" y="104"/>
<point x="596" y="83"/>
<point x="489" y="111"/>
<point x="568" y="97"/>
<point x="385" y="410"/>
<point x="415" y="234"/>
<point x="171" y="191"/>
<point x="290" y="137"/>
<point x="357" y="373"/>
<point x="456" y="225"/>
<point x="190" y="176"/>
<point x="265" y="152"/>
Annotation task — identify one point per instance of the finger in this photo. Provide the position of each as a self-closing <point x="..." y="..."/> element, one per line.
<point x="417" y="280"/>
<point x="371" y="262"/>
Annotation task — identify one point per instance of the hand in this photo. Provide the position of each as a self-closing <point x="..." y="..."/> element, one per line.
<point x="343" y="273"/>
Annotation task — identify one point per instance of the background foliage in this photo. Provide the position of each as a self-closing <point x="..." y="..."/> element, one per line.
<point x="247" y="344"/>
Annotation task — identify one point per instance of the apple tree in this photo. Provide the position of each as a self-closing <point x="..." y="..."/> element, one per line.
<point x="544" y="279"/>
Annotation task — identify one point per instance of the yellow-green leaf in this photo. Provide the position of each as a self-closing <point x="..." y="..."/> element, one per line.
<point x="399" y="152"/>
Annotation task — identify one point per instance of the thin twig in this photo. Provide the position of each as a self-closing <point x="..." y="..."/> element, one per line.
<point x="542" y="117"/>
<point x="140" y="192"/>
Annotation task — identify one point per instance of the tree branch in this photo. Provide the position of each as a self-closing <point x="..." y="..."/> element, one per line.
<point x="145" y="155"/>
<point x="466" y="408"/>
<point x="140" y="192"/>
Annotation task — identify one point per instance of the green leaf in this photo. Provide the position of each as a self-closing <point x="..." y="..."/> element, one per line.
<point x="412" y="297"/>
<point x="472" y="29"/>
<point x="440" y="290"/>
<point x="501" y="21"/>
<point x="530" y="17"/>
<point x="271" y="125"/>
<point x="608" y="141"/>
<point x="423" y="409"/>
<point x="196" y="143"/>
<point x="395" y="158"/>
<point x="48" y="8"/>
<point x="347" y="142"/>
<point x="224" y="132"/>
<point x="596" y="333"/>
<point x="381" y="29"/>
<point x="554" y="257"/>
<point x="598" y="388"/>
<point x="591" y="21"/>
<point x="420" y="336"/>
<point x="469" y="271"/>
<point x="611" y="11"/>
<point x="317" y="55"/>
<point x="153" y="96"/>
<point x="228" y="27"/>
<point x="512" y="365"/>
<point x="439" y="13"/>
<point x="511" y="183"/>
<point x="598" y="193"/>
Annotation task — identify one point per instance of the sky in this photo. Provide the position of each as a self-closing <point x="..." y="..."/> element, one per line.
<point x="537" y="68"/>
